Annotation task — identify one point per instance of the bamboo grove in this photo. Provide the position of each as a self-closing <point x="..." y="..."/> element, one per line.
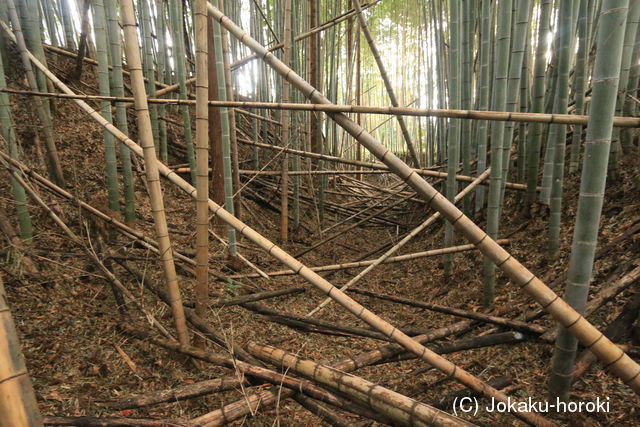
<point x="469" y="111"/>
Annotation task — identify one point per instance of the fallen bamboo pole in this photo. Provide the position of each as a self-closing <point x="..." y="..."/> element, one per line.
<point x="486" y="318"/>
<point x="346" y="265"/>
<point x="499" y="116"/>
<point x="611" y="355"/>
<point x="189" y="391"/>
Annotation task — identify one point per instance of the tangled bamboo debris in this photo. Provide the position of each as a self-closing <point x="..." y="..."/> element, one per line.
<point x="275" y="251"/>
<point x="613" y="357"/>
<point x="417" y="230"/>
<point x="499" y="116"/>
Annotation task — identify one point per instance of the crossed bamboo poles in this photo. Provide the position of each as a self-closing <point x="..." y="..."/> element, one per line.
<point x="611" y="355"/>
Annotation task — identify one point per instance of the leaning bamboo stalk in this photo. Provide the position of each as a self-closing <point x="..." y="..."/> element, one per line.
<point x="385" y="257"/>
<point x="385" y="78"/>
<point x="539" y="289"/>
<point x="18" y="404"/>
<point x="202" y="159"/>
<point x="611" y="355"/>
<point x="53" y="161"/>
<point x="564" y="119"/>
<point x="151" y="169"/>
<point x="347" y="265"/>
<point x="398" y="407"/>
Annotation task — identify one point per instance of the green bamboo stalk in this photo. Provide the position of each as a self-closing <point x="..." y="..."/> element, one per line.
<point x="592" y="184"/>
<point x="53" y="161"/>
<point x="202" y="158"/>
<point x="580" y="80"/>
<point x="111" y="163"/>
<point x="117" y="87"/>
<point x="177" y="32"/>
<point x="525" y="105"/>
<point x="537" y="104"/>
<point x="630" y="108"/>
<point x="9" y="135"/>
<point x="226" y="138"/>
<point x="501" y="70"/>
<point x="161" y="68"/>
<point x="627" y="52"/>
<point x="558" y="134"/>
<point x="466" y="94"/>
<point x="483" y="96"/>
<point x="67" y="25"/>
<point x="455" y="127"/>
<point x="519" y="38"/>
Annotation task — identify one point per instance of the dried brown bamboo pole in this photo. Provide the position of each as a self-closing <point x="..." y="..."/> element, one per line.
<point x="519" y="117"/>
<point x="385" y="79"/>
<point x="202" y="160"/>
<point x="18" y="406"/>
<point x="384" y="257"/>
<point x="132" y="53"/>
<point x="263" y="399"/>
<point x="284" y="131"/>
<point x="612" y="356"/>
<point x="394" y="405"/>
<point x="347" y="265"/>
<point x="53" y="160"/>
<point x="190" y="391"/>
<point x="112" y="421"/>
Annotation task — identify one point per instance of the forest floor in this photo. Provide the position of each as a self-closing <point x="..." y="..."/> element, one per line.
<point x="68" y="322"/>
